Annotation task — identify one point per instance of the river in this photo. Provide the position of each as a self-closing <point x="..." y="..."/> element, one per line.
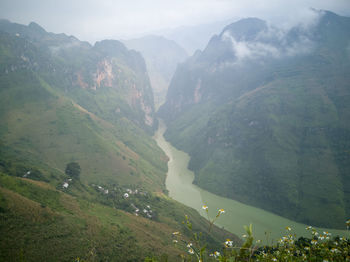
<point x="266" y="226"/>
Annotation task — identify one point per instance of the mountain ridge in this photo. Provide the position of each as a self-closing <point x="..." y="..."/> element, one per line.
<point x="112" y="87"/>
<point x="65" y="102"/>
<point x="261" y="116"/>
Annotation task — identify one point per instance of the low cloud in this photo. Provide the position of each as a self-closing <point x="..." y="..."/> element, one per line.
<point x="251" y="49"/>
<point x="276" y="41"/>
<point x="95" y="20"/>
<point x="55" y="49"/>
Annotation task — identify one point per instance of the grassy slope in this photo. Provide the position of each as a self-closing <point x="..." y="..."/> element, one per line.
<point x="41" y="124"/>
<point x="98" y="123"/>
<point x="39" y="223"/>
<point x="41" y="130"/>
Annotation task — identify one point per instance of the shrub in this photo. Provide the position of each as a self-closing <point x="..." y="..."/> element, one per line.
<point x="73" y="170"/>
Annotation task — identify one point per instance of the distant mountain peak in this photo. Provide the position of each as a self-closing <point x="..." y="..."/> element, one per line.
<point x="36" y="27"/>
<point x="110" y="46"/>
<point x="245" y="29"/>
<point x="2" y="20"/>
<point x="263" y="112"/>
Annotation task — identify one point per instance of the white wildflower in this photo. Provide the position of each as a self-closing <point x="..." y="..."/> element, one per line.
<point x="216" y="254"/>
<point x="228" y="243"/>
<point x="221" y="211"/>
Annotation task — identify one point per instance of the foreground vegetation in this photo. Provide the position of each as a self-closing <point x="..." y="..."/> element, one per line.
<point x="97" y="222"/>
<point x="320" y="246"/>
<point x="41" y="221"/>
<point x="88" y="110"/>
<point x="76" y="119"/>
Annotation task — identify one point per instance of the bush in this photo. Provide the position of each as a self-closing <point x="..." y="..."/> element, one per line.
<point x="321" y="246"/>
<point x="73" y="170"/>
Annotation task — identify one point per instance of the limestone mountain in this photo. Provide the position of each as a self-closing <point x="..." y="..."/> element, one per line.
<point x="194" y="37"/>
<point x="264" y="114"/>
<point x="162" y="57"/>
<point x="64" y="100"/>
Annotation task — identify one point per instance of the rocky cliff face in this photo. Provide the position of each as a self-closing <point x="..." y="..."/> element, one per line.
<point x="161" y="56"/>
<point x="263" y="112"/>
<point x="63" y="99"/>
<point x="106" y="67"/>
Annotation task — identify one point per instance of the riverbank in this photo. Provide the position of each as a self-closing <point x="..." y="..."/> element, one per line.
<point x="266" y="225"/>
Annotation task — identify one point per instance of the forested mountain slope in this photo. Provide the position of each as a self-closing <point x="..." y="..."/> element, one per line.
<point x="264" y="114"/>
<point x="63" y="100"/>
<point x="66" y="103"/>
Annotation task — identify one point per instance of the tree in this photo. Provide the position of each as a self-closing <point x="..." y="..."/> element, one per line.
<point x="73" y="170"/>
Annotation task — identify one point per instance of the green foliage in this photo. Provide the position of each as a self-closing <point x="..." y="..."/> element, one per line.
<point x="44" y="222"/>
<point x="275" y="136"/>
<point x="46" y="118"/>
<point x="142" y="203"/>
<point x="62" y="234"/>
<point x="73" y="170"/>
<point x="19" y="169"/>
<point x="57" y="107"/>
<point x="319" y="247"/>
<point x="195" y="246"/>
<point x="43" y="196"/>
<point x="64" y="101"/>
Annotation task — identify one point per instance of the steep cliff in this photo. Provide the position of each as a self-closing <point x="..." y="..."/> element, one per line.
<point x="162" y="57"/>
<point x="64" y="100"/>
<point x="108" y="67"/>
<point x="264" y="115"/>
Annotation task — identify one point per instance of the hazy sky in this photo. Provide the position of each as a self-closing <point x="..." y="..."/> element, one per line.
<point x="98" y="19"/>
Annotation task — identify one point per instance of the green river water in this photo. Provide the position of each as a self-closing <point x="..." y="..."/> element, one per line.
<point x="266" y="225"/>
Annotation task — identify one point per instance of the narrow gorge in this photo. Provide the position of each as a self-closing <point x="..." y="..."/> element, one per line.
<point x="266" y="225"/>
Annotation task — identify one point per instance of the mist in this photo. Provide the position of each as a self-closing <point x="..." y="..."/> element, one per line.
<point x="275" y="40"/>
<point x="96" y="20"/>
<point x="121" y="119"/>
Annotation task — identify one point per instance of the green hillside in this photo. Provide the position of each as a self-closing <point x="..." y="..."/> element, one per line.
<point x="48" y="119"/>
<point x="269" y="126"/>
<point x="64" y="101"/>
<point x="40" y="223"/>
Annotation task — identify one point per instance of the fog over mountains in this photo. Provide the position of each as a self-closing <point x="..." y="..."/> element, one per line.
<point x="263" y="113"/>
<point x="162" y="57"/>
<point x="260" y="107"/>
<point x="66" y="103"/>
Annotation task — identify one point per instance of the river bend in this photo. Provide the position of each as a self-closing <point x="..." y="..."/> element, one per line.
<point x="266" y="225"/>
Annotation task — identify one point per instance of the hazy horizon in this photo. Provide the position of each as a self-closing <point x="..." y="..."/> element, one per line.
<point x="92" y="21"/>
